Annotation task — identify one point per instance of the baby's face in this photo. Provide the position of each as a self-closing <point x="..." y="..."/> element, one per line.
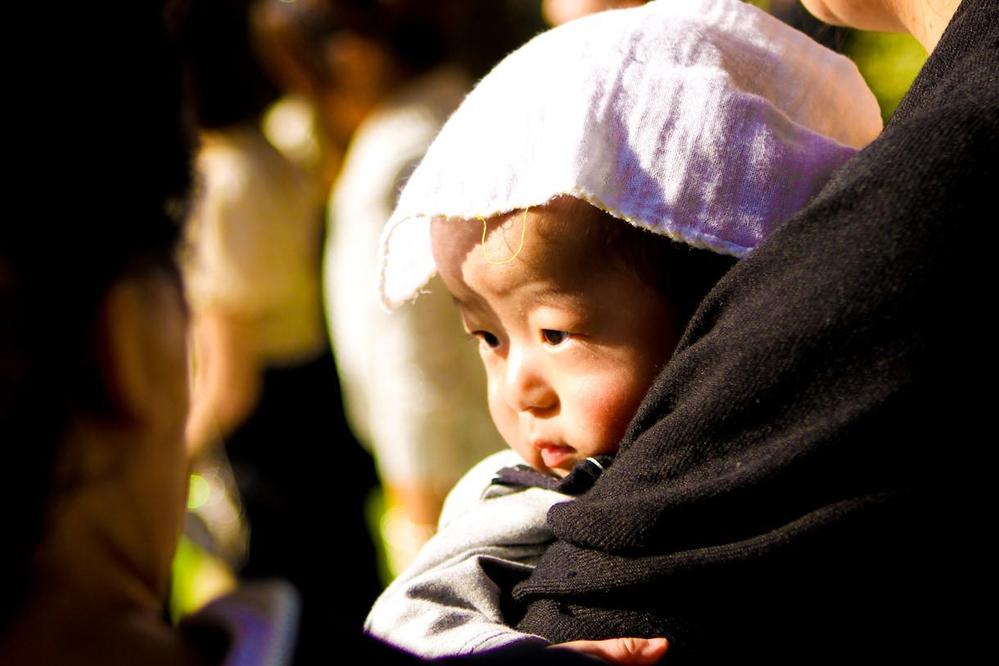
<point x="570" y="340"/>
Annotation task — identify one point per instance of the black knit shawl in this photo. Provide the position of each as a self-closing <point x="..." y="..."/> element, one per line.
<point x="802" y="481"/>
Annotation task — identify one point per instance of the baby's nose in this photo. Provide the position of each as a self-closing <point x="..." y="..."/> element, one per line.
<point x="526" y="387"/>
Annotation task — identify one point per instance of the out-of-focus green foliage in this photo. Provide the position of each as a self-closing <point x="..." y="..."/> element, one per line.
<point x="888" y="62"/>
<point x="198" y="577"/>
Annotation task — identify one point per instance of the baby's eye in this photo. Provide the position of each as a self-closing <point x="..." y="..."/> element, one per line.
<point x="488" y="338"/>
<point x="553" y="337"/>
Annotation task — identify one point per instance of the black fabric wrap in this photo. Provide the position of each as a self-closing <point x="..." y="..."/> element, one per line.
<point x="804" y="479"/>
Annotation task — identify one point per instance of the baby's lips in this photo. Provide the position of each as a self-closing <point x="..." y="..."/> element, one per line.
<point x="555" y="455"/>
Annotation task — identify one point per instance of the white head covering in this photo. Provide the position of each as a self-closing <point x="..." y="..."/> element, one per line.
<point x="708" y="121"/>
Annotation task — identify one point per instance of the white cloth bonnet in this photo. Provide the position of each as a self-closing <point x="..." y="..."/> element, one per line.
<point x="708" y="121"/>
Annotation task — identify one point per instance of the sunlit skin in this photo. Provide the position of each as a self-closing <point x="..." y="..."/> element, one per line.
<point x="570" y="339"/>
<point x="557" y="12"/>
<point x="924" y="19"/>
<point x="865" y="14"/>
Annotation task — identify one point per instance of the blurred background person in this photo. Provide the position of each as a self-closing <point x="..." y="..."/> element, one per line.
<point x="422" y="445"/>
<point x="384" y="77"/>
<point x="253" y="237"/>
<point x="265" y="385"/>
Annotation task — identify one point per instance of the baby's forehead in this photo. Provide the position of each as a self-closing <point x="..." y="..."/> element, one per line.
<point x="565" y="226"/>
<point x="551" y="251"/>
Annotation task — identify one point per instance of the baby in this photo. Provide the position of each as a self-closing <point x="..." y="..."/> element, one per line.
<point x="574" y="326"/>
<point x="578" y="206"/>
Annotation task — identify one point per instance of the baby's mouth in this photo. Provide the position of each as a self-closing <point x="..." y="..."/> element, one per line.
<point x="555" y="455"/>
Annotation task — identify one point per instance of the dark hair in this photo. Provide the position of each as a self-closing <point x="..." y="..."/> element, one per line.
<point x="410" y="30"/>
<point x="101" y="195"/>
<point x="226" y="83"/>
<point x="681" y="273"/>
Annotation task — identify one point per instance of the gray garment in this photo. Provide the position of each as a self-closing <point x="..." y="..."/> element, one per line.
<point x="444" y="603"/>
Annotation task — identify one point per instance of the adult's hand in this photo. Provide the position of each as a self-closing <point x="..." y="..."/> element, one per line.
<point x="625" y="651"/>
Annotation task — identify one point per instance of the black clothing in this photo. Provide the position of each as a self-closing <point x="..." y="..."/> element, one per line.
<point x="800" y="483"/>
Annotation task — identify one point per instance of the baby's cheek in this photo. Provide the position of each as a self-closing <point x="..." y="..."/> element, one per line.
<point x="503" y="417"/>
<point x="608" y="407"/>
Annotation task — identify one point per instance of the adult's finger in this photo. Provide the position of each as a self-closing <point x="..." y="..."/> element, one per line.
<point x="625" y="651"/>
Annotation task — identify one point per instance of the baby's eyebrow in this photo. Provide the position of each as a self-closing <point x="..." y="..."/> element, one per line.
<point x="464" y="307"/>
<point x="547" y="293"/>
